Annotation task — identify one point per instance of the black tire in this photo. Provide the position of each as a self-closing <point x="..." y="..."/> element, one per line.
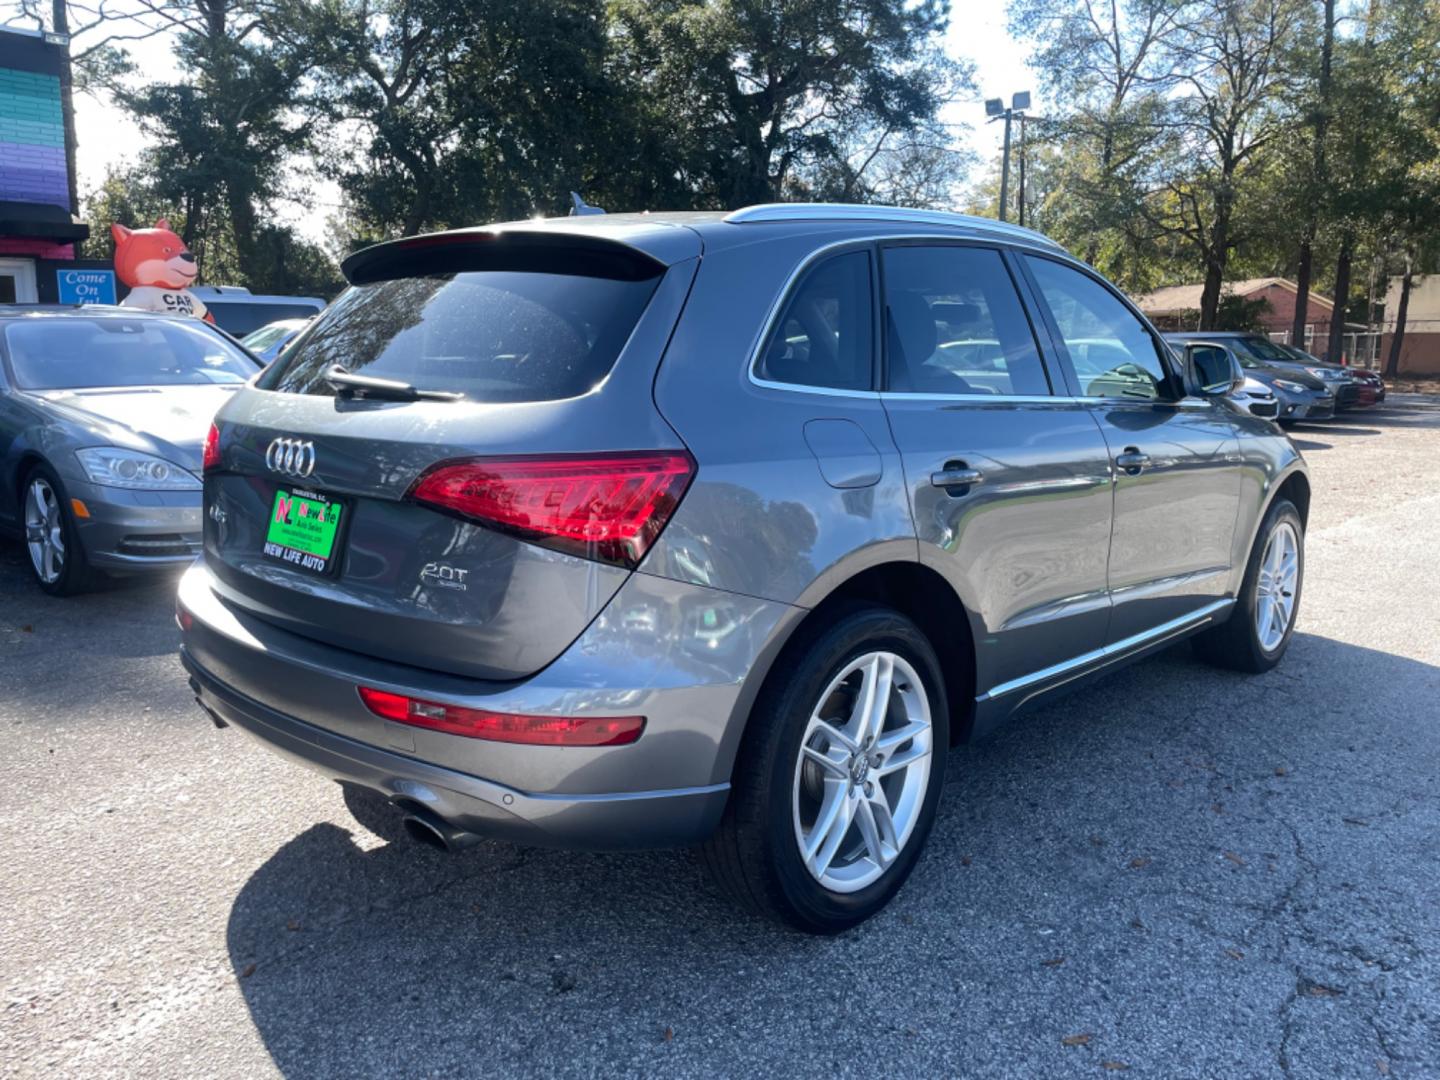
<point x="76" y="575"/>
<point x="1235" y="643"/>
<point x="754" y="855"/>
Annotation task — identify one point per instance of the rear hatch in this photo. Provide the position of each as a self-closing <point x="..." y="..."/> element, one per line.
<point x="460" y="462"/>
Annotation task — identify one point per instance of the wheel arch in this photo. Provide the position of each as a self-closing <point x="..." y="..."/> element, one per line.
<point x="916" y="591"/>
<point x="25" y="462"/>
<point x="1295" y="487"/>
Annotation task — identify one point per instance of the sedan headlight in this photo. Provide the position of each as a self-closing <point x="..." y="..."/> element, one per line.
<point x="1292" y="387"/>
<point x="114" y="467"/>
<point x="1327" y="374"/>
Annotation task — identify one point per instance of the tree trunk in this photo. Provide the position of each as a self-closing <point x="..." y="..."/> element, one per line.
<point x="1402" y="312"/>
<point x="1302" y="292"/>
<point x="1319" y="176"/>
<point x="1210" y="294"/>
<point x="1342" y="300"/>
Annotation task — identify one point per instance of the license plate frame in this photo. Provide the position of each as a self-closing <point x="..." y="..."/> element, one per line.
<point x="300" y="521"/>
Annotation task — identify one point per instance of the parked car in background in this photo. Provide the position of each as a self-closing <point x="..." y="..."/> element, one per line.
<point x="103" y="414"/>
<point x="1367" y="387"/>
<point x="239" y="312"/>
<point x="720" y="528"/>
<point x="1300" y="394"/>
<point x="1257" y="397"/>
<point x="270" y="340"/>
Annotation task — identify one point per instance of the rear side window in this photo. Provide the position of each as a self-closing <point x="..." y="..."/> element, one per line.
<point x="955" y="325"/>
<point x="825" y="335"/>
<point x="492" y="335"/>
<point x="1111" y="352"/>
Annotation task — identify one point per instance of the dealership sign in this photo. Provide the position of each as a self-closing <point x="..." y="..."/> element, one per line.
<point x="86" y="286"/>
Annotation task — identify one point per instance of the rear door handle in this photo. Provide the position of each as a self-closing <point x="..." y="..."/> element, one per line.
<point x="956" y="475"/>
<point x="1133" y="461"/>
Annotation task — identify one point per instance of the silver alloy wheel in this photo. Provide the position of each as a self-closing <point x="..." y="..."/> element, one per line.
<point x="1276" y="585"/>
<point x="44" y="530"/>
<point x="862" y="771"/>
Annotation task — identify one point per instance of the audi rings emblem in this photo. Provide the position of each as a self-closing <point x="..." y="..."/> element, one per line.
<point x="293" y="457"/>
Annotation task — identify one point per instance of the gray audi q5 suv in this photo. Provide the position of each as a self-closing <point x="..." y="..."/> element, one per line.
<point x="718" y="528"/>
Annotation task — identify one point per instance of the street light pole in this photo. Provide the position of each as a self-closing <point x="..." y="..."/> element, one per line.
<point x="1005" y="170"/>
<point x="1022" y="170"/>
<point x="996" y="110"/>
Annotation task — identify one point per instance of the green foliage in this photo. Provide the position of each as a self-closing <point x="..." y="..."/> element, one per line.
<point x="775" y="99"/>
<point x="1186" y="140"/>
<point x="1239" y="313"/>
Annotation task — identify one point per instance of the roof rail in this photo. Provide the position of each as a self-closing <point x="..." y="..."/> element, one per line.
<point x="871" y="212"/>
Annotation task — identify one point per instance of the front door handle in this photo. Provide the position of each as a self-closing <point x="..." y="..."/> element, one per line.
<point x="956" y="478"/>
<point x="1133" y="460"/>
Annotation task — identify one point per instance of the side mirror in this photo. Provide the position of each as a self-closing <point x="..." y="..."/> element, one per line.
<point x="1215" y="368"/>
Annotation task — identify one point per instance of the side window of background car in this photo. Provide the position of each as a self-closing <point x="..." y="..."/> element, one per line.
<point x="954" y="324"/>
<point x="824" y="338"/>
<point x="1112" y="353"/>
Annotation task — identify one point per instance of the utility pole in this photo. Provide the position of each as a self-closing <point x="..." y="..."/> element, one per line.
<point x="995" y="109"/>
<point x="1022" y="170"/>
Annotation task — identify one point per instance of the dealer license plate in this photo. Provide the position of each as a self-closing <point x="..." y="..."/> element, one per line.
<point x="303" y="530"/>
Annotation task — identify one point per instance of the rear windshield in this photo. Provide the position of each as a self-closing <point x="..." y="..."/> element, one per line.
<point x="492" y="335"/>
<point x="73" y="353"/>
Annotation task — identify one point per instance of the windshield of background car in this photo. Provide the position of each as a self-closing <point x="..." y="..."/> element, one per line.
<point x="74" y="353"/>
<point x="1264" y="350"/>
<point x="268" y="335"/>
<point x="492" y="335"/>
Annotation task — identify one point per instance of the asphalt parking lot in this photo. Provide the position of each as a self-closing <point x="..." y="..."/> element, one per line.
<point x="1177" y="872"/>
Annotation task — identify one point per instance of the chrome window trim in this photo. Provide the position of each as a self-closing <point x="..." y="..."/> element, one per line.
<point x="868" y="243"/>
<point x="984" y="399"/>
<point x="1098" y="658"/>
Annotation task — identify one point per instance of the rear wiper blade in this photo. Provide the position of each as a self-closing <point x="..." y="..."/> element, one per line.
<point x="348" y="383"/>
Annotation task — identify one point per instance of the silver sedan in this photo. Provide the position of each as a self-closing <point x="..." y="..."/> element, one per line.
<point x="103" y="415"/>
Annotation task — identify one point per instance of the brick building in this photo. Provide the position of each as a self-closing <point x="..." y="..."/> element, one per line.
<point x="1177" y="307"/>
<point x="38" y="227"/>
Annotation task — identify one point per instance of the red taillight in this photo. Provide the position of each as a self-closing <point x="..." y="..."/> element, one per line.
<point x="501" y="726"/>
<point x="609" y="506"/>
<point x="211" y="460"/>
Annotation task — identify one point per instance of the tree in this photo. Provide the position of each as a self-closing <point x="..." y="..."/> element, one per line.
<point x="1312" y="187"/>
<point x="222" y="136"/>
<point x="769" y="99"/>
<point x="1228" y="114"/>
<point x="1109" y="62"/>
<point x="1409" y="51"/>
<point x="276" y="261"/>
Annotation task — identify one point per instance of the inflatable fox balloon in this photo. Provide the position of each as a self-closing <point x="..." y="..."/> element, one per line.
<point x="159" y="270"/>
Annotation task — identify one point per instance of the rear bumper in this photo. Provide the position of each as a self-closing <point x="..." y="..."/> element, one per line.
<point x="599" y="821"/>
<point x="683" y="656"/>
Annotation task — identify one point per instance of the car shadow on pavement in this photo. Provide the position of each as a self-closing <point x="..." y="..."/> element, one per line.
<point x="1172" y="849"/>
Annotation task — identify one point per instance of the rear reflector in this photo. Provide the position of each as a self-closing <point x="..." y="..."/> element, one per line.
<point x="504" y="727"/>
<point x="609" y="507"/>
<point x="211" y="458"/>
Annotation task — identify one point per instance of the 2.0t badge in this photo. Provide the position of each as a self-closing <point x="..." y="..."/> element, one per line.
<point x="440" y="575"/>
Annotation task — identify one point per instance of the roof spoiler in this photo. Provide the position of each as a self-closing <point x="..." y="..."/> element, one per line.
<point x="539" y="250"/>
